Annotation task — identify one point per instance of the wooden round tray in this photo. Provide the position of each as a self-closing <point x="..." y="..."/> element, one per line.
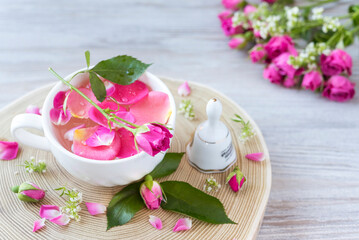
<point x="245" y="207"/>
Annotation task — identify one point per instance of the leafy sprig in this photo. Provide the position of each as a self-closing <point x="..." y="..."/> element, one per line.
<point x="247" y="131"/>
<point x="32" y="165"/>
<point x="72" y="207"/>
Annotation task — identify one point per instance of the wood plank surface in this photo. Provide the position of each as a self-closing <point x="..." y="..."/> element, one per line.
<point x="313" y="143"/>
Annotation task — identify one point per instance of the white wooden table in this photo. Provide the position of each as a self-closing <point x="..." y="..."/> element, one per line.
<point x="314" y="143"/>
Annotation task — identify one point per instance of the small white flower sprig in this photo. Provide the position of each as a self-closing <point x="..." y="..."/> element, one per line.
<point x="186" y="108"/>
<point x="33" y="165"/>
<point x="72" y="207"/>
<point x="247" y="131"/>
<point x="211" y="184"/>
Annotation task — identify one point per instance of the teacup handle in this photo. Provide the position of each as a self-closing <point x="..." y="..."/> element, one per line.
<point x="29" y="120"/>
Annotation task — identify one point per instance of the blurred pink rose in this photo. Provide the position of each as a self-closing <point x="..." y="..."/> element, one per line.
<point x="336" y="62"/>
<point x="278" y="45"/>
<point x="258" y="53"/>
<point x="224" y="15"/>
<point x="339" y="89"/>
<point x="237" y="42"/>
<point x="312" y="80"/>
<point x="269" y="1"/>
<point x="229" y="29"/>
<point x="284" y="68"/>
<point x="231" y="4"/>
<point x="272" y="74"/>
<point x="257" y="34"/>
<point x="249" y="9"/>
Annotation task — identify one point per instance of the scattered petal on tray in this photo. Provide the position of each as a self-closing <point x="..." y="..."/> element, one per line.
<point x="8" y="150"/>
<point x="95" y="208"/>
<point x="183" y="224"/>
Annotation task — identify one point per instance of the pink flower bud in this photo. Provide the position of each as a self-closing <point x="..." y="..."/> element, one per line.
<point x="339" y="89"/>
<point x="312" y="80"/>
<point x="151" y="193"/>
<point x="257" y="53"/>
<point x="237" y="42"/>
<point x="29" y="192"/>
<point x="231" y="4"/>
<point x="249" y="9"/>
<point x="236" y="179"/>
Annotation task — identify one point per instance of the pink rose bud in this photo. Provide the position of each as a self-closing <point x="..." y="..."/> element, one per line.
<point x="231" y="4"/>
<point x="278" y="45"/>
<point x="312" y="80"/>
<point x="284" y="68"/>
<point x="153" y="138"/>
<point x="236" y="179"/>
<point x="336" y="62"/>
<point x="224" y="15"/>
<point x="339" y="89"/>
<point x="229" y="29"/>
<point x="249" y="9"/>
<point x="237" y="42"/>
<point x="29" y="192"/>
<point x="272" y="74"/>
<point x="151" y="193"/>
<point x="258" y="53"/>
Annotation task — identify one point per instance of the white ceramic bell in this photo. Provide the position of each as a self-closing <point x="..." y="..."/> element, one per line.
<point x="211" y="149"/>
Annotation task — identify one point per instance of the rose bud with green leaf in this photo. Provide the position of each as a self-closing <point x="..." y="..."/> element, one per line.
<point x="29" y="192"/>
<point x="236" y="179"/>
<point x="151" y="193"/>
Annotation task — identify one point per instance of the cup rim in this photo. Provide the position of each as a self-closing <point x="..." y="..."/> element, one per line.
<point x="55" y="143"/>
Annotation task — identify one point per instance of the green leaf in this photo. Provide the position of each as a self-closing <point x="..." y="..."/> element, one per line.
<point x="183" y="198"/>
<point x="87" y="56"/>
<point x="98" y="87"/>
<point x="168" y="165"/>
<point x="122" y="69"/>
<point x="124" y="205"/>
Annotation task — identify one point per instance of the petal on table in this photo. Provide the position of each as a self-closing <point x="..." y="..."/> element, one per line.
<point x="33" y="109"/>
<point x="153" y="108"/>
<point x="78" y="106"/>
<point x="184" y="89"/>
<point x="80" y="148"/>
<point x="69" y="135"/>
<point x="62" y="219"/>
<point x="130" y="94"/>
<point x="49" y="211"/>
<point x="38" y="224"/>
<point x="59" y="117"/>
<point x="102" y="137"/>
<point x="183" y="224"/>
<point x="128" y="147"/>
<point x="95" y="208"/>
<point x="8" y="150"/>
<point x="156" y="222"/>
<point x="257" y="157"/>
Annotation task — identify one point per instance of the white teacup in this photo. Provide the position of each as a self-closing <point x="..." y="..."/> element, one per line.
<point x="96" y="172"/>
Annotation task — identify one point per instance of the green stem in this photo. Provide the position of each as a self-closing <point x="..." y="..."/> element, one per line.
<point x="92" y="102"/>
<point x="123" y="120"/>
<point x="318" y="3"/>
<point x="354" y="30"/>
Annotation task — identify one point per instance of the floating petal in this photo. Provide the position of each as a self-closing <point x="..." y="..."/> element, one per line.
<point x="99" y="153"/>
<point x="58" y="116"/>
<point x="78" y="106"/>
<point x="62" y="219"/>
<point x="49" y="211"/>
<point x="128" y="147"/>
<point x="102" y="137"/>
<point x="130" y="94"/>
<point x="69" y="135"/>
<point x="183" y="224"/>
<point x="8" y="150"/>
<point x="38" y="224"/>
<point x="33" y="109"/>
<point x="95" y="208"/>
<point x="110" y="88"/>
<point x="184" y="89"/>
<point x="153" y="108"/>
<point x="257" y="157"/>
<point x="59" y="99"/>
<point x="155" y="222"/>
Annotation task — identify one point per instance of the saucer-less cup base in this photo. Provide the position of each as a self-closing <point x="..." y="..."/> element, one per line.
<point x="95" y="172"/>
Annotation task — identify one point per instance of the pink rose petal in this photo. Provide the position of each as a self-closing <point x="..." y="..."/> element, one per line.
<point x="58" y="117"/>
<point x="110" y="88"/>
<point x="34" y="194"/>
<point x="38" y="224"/>
<point x="78" y="106"/>
<point x="59" y="99"/>
<point x="102" y="137"/>
<point x="49" y="211"/>
<point x="155" y="222"/>
<point x="153" y="108"/>
<point x="258" y="157"/>
<point x="62" y="219"/>
<point x="130" y="94"/>
<point x="128" y="147"/>
<point x="98" y="153"/>
<point x="184" y="89"/>
<point x="95" y="208"/>
<point x="69" y="135"/>
<point x="8" y="150"/>
<point x="33" y="109"/>
<point x="183" y="224"/>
